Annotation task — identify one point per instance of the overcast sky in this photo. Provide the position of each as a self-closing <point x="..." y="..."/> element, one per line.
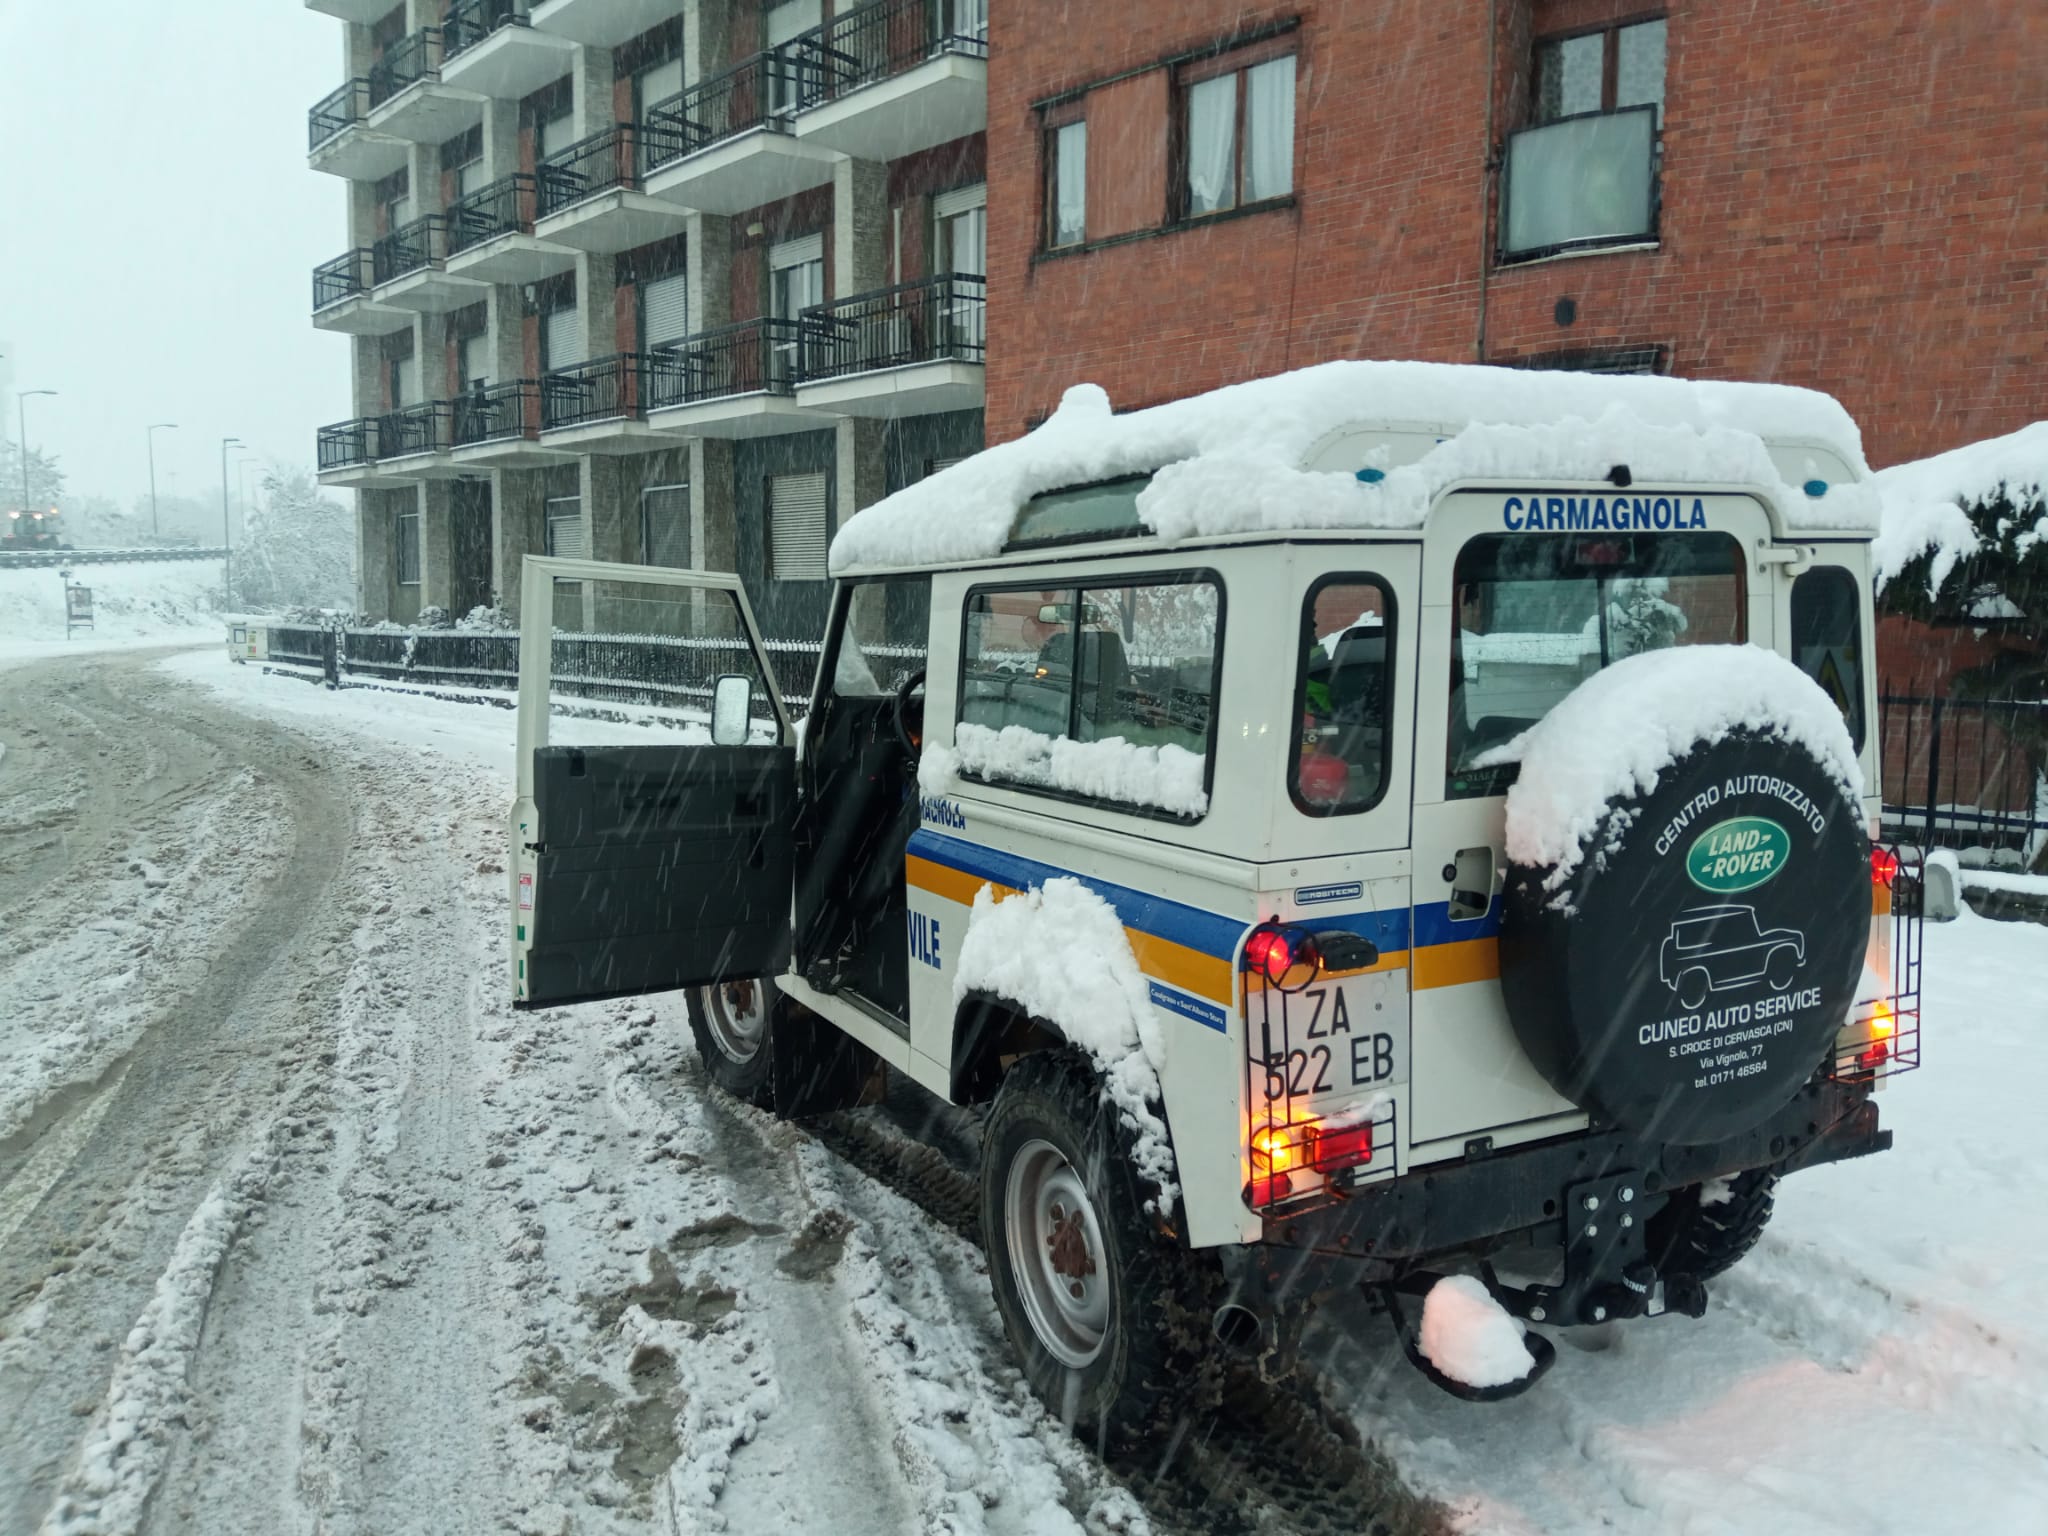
<point x="158" y="231"/>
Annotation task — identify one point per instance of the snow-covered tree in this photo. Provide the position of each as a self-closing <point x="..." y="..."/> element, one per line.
<point x="295" y="548"/>
<point x="45" y="479"/>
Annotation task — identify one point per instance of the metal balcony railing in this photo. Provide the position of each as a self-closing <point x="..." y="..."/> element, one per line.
<point x="347" y="444"/>
<point x="873" y="42"/>
<point x="469" y="22"/>
<point x="342" y="278"/>
<point x="936" y="319"/>
<point x="496" y="413"/>
<point x="762" y="92"/>
<point x="410" y="247"/>
<point x="338" y="110"/>
<point x="752" y="357"/>
<point x="406" y="62"/>
<point x="507" y="206"/>
<point x="604" y="389"/>
<point x="617" y="156"/>
<point x="414" y="429"/>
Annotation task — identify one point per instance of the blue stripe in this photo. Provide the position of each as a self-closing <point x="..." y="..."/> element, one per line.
<point x="1387" y="928"/>
<point x="1188" y="1007"/>
<point x="1205" y="932"/>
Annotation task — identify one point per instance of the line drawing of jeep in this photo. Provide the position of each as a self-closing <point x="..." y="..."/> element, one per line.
<point x="1714" y="949"/>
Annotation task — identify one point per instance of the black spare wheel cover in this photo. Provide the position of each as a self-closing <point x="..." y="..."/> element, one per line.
<point x="1698" y="965"/>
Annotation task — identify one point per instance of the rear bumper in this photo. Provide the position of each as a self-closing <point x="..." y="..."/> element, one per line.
<point x="1445" y="1208"/>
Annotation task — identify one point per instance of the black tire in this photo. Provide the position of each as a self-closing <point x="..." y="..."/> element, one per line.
<point x="1154" y="1354"/>
<point x="714" y="1012"/>
<point x="1689" y="1238"/>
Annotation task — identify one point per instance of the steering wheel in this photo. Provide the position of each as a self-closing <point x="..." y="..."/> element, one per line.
<point x="910" y="737"/>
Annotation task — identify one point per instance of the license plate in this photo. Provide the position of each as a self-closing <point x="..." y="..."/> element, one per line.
<point x="1341" y="1039"/>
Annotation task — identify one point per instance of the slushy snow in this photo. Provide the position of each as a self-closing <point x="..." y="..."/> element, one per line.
<point x="1613" y="735"/>
<point x="1166" y="777"/>
<point x="1229" y="461"/>
<point x="1470" y="1337"/>
<point x="1060" y="952"/>
<point x="1923" y="501"/>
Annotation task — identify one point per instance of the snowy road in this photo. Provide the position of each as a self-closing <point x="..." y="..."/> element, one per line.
<point x="301" y="1230"/>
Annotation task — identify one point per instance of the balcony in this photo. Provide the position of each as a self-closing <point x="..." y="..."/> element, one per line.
<point x="338" y="143"/>
<point x="910" y="350"/>
<point x="1584" y="183"/>
<point x="728" y="146"/>
<point x="413" y="441"/>
<point x="409" y="100"/>
<point x="735" y="381"/>
<point x="408" y="270"/>
<point x="894" y="77"/>
<point x="590" y="191"/>
<point x="342" y="300"/>
<point x="489" y="47"/>
<point x="346" y="456"/>
<point x="601" y="406"/>
<point x="601" y="23"/>
<point x="498" y="427"/>
<point x="361" y="12"/>
<point x="491" y="239"/>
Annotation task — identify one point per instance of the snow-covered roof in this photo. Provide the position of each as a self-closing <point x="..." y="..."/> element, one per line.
<point x="1923" y="501"/>
<point x="1249" y="458"/>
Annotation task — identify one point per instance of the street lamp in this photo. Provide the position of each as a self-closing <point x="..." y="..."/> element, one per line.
<point x="154" y="428"/>
<point x="21" y="415"/>
<point x="227" y="543"/>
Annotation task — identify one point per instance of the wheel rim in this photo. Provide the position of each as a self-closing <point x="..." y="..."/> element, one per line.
<point x="1057" y="1254"/>
<point x="737" y="1013"/>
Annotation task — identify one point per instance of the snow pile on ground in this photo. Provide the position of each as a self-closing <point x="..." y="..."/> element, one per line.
<point x="1611" y="737"/>
<point x="1923" y="501"/>
<point x="1470" y="1337"/>
<point x="153" y="600"/>
<point x="1166" y="777"/>
<point x="1228" y="459"/>
<point x="1060" y="951"/>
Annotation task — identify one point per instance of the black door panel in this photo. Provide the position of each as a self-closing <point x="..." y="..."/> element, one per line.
<point x="658" y="868"/>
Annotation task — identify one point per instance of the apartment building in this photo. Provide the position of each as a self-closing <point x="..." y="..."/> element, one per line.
<point x="676" y="282"/>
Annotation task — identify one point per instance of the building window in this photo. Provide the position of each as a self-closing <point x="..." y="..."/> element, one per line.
<point x="1584" y="174"/>
<point x="1066" y="185"/>
<point x="797" y="517"/>
<point x="665" y="526"/>
<point x="564" y="528"/>
<point x="796" y="281"/>
<point x="406" y="529"/>
<point x="1238" y="137"/>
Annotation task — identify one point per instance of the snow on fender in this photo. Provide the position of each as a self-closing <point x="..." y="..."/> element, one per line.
<point x="1688" y="892"/>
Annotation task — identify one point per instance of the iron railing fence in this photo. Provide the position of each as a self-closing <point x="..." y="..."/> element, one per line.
<point x="42" y="558"/>
<point x="495" y="413"/>
<point x="348" y="275"/>
<point x="409" y="248"/>
<point x="407" y="61"/>
<point x="506" y="206"/>
<point x="1961" y="773"/>
<point x="469" y="22"/>
<point x="603" y="389"/>
<point x="301" y="643"/>
<point x="414" y="429"/>
<point x="613" y="157"/>
<point x="347" y="444"/>
<point x="876" y="41"/>
<point x="343" y="107"/>
<point x="752" y="357"/>
<point x="934" y="319"/>
<point x="760" y="92"/>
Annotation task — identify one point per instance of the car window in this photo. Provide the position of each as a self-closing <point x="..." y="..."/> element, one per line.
<point x="1827" y="639"/>
<point x="1534" y="615"/>
<point x="1343" y="689"/>
<point x="884" y="639"/>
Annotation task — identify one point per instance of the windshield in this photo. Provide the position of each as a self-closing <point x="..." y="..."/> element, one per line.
<point x="1537" y="614"/>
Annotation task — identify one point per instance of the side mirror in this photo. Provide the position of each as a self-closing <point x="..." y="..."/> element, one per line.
<point x="732" y="709"/>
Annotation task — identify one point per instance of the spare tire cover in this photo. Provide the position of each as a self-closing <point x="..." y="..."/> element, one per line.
<point x="1689" y="976"/>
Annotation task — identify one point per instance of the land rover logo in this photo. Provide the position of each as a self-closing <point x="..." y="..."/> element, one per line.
<point x="1737" y="855"/>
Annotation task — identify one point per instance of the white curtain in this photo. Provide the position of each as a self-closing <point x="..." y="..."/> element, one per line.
<point x="1269" y="130"/>
<point x="1212" y="144"/>
<point x="1072" y="205"/>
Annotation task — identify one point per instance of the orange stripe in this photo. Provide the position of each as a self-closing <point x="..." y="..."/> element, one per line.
<point x="1454" y="965"/>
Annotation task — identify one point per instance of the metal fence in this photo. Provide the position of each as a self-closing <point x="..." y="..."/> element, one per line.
<point x="504" y="207"/>
<point x="13" y="559"/>
<point x="406" y="62"/>
<point x="343" y="107"/>
<point x="1959" y="773"/>
<point x="469" y="22"/>
<point x="932" y="319"/>
<point x="875" y="41"/>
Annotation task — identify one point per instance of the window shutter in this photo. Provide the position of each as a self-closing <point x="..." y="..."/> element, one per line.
<point x="476" y="359"/>
<point x="665" y="309"/>
<point x="565" y="528"/>
<point x="933" y="466"/>
<point x="407" y="382"/>
<point x="562" y="338"/>
<point x="947" y="204"/>
<point x="656" y="85"/>
<point x="796" y="527"/>
<point x="665" y="525"/>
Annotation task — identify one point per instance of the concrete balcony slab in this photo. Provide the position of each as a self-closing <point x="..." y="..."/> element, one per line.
<point x="512" y="62"/>
<point x="617" y="434"/>
<point x="427" y="112"/>
<point x="361" y="12"/>
<point x="914" y="389"/>
<point x="508" y="453"/>
<point x="601" y="23"/>
<point x="357" y="154"/>
<point x="361" y="315"/>
<point x="942" y="99"/>
<point x="363" y="477"/>
<point x="511" y="258"/>
<point x="608" y="222"/>
<point x="430" y="291"/>
<point x="761" y="165"/>
<point x="738" y="416"/>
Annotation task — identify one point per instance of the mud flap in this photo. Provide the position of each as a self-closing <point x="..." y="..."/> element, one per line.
<point x="814" y="1067"/>
<point x="1542" y="1355"/>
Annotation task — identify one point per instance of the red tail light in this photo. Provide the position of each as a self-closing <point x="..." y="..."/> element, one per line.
<point x="1884" y="866"/>
<point x="1270" y="953"/>
<point x="1342" y="1149"/>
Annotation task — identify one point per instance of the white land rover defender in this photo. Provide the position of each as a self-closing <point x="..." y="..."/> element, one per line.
<point x="1379" y="824"/>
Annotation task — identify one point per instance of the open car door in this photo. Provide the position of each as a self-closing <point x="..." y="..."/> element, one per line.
<point x="652" y="833"/>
